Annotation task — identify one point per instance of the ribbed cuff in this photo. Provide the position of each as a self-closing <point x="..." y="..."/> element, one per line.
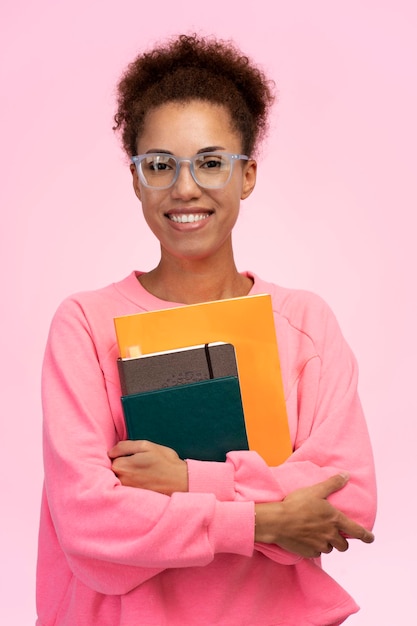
<point x="233" y="528"/>
<point x="211" y="477"/>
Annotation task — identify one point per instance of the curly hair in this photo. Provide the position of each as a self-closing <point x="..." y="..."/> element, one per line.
<point x="188" y="68"/>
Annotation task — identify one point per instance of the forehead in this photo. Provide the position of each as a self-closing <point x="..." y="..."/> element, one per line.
<point x="183" y="128"/>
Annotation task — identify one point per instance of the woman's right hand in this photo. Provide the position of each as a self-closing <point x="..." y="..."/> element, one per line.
<point x="306" y="524"/>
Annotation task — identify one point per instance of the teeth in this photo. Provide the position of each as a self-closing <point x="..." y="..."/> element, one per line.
<point x="183" y="219"/>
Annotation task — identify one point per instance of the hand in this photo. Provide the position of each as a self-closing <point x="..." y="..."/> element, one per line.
<point x="149" y="466"/>
<point x="306" y="523"/>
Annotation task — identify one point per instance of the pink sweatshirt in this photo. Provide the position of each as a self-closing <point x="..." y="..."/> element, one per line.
<point x="111" y="555"/>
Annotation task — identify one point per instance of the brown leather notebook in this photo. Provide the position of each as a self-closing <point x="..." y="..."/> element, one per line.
<point x="172" y="368"/>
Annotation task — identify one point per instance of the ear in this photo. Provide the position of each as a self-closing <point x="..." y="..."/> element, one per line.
<point x="249" y="178"/>
<point x="135" y="181"/>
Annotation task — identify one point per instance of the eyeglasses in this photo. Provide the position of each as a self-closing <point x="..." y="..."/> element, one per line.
<point x="211" y="170"/>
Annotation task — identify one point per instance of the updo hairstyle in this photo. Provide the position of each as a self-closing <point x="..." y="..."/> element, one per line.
<point x="188" y="68"/>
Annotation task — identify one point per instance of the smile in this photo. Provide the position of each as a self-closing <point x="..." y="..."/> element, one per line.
<point x="188" y="218"/>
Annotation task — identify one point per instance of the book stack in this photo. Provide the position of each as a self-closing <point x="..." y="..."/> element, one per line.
<point x="187" y="399"/>
<point x="205" y="379"/>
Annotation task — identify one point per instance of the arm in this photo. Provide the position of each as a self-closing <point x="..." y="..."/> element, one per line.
<point x="115" y="537"/>
<point x="327" y="426"/>
<point x="303" y="524"/>
<point x="330" y="438"/>
<point x="329" y="433"/>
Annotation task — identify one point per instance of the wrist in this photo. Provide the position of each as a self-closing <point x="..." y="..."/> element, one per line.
<point x="267" y="522"/>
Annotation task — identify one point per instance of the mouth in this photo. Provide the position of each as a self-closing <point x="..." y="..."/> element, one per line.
<point x="188" y="218"/>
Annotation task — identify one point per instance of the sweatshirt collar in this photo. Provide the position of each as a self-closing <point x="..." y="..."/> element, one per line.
<point x="132" y="289"/>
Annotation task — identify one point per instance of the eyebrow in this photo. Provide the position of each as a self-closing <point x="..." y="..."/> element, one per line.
<point x="206" y="149"/>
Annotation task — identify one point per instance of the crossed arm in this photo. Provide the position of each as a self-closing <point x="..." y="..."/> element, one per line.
<point x="304" y="522"/>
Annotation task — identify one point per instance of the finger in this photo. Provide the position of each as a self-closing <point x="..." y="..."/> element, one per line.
<point x="117" y="465"/>
<point x="340" y="543"/>
<point x="157" y="447"/>
<point x="329" y="486"/>
<point x="327" y="549"/>
<point x="314" y="555"/>
<point x="351" y="529"/>
<point x="367" y="536"/>
<point x="128" y="447"/>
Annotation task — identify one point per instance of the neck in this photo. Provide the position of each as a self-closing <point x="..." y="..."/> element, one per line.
<point x="191" y="282"/>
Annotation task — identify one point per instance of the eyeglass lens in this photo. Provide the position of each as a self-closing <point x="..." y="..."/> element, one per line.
<point x="210" y="170"/>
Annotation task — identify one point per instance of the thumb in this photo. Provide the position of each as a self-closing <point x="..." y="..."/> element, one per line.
<point x="332" y="484"/>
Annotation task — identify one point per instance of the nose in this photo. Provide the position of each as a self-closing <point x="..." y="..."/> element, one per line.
<point x="185" y="187"/>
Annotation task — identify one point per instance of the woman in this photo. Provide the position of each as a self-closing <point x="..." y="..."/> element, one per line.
<point x="130" y="533"/>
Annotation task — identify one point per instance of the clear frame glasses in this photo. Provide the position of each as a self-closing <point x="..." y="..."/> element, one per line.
<point x="211" y="170"/>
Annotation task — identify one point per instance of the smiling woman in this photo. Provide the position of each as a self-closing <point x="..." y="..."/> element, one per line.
<point x="193" y="220"/>
<point x="130" y="532"/>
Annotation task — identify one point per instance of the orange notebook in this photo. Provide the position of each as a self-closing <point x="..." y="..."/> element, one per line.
<point x="248" y="324"/>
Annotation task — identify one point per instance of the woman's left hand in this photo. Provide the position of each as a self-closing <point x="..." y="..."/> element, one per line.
<point x="149" y="466"/>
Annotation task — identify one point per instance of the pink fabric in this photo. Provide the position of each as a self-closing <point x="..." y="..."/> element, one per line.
<point x="113" y="555"/>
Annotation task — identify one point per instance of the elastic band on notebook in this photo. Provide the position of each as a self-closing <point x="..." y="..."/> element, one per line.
<point x="208" y="358"/>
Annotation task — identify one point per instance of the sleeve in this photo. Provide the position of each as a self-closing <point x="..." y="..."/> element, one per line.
<point x="331" y="436"/>
<point x="116" y="537"/>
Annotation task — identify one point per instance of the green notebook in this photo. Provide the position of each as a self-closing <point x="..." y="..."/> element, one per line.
<point x="202" y="420"/>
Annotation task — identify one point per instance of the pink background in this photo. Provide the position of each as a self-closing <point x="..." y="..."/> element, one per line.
<point x="334" y="212"/>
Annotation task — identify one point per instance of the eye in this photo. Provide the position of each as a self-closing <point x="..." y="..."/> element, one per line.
<point x="158" y="163"/>
<point x="211" y="161"/>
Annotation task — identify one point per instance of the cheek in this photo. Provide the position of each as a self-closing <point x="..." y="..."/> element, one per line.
<point x="153" y="204"/>
<point x="148" y="212"/>
<point x="150" y="200"/>
<point x="154" y="223"/>
<point x="231" y="209"/>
